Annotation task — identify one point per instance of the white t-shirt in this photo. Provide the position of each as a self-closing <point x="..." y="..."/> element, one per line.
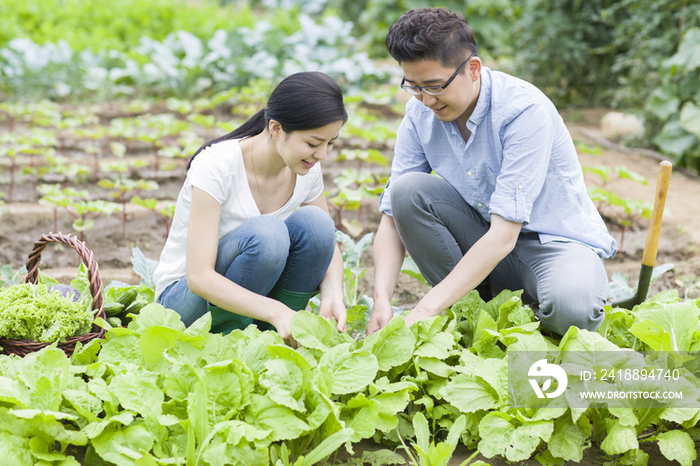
<point x="219" y="171"/>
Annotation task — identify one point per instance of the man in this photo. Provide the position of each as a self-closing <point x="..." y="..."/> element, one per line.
<point x="508" y="209"/>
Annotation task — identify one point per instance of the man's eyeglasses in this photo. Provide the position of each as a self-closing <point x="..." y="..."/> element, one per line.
<point x="434" y="90"/>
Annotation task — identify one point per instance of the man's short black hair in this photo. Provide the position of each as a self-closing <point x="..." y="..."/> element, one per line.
<point x="432" y="34"/>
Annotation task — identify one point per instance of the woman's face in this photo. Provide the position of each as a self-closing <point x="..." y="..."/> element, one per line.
<point x="301" y="150"/>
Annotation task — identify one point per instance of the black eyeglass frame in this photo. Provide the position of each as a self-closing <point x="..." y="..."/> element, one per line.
<point x="430" y="90"/>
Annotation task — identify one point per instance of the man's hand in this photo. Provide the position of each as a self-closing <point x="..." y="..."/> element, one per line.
<point x="382" y="312"/>
<point x="415" y="315"/>
<point x="334" y="308"/>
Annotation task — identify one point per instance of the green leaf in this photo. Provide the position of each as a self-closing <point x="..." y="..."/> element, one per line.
<point x="663" y="102"/>
<point x="15" y="392"/>
<point x="144" y="267"/>
<point x="625" y="173"/>
<point x="235" y="443"/>
<point x="635" y="458"/>
<point x="327" y="447"/>
<point x="138" y="392"/>
<point x="673" y="139"/>
<point x="410" y="268"/>
<point x="687" y="57"/>
<point x="568" y="440"/>
<point x="361" y="415"/>
<point x="85" y="404"/>
<point x="677" y="445"/>
<point x="284" y="381"/>
<point x="390" y="405"/>
<point x="690" y="118"/>
<point x="469" y="393"/>
<point x="494" y="372"/>
<point x="500" y="437"/>
<point x="435" y="366"/>
<point x="438" y="346"/>
<point x="420" y="425"/>
<point x="352" y="371"/>
<point x="156" y="315"/>
<point x="677" y="320"/>
<point x="393" y="345"/>
<point x="620" y="439"/>
<point x="311" y="330"/>
<point x="15" y="449"/>
<point x="265" y="414"/>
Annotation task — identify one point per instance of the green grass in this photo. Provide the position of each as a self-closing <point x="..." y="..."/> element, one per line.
<point x="114" y="24"/>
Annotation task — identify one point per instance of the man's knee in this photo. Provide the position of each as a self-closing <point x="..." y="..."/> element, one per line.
<point x="412" y="192"/>
<point x="581" y="307"/>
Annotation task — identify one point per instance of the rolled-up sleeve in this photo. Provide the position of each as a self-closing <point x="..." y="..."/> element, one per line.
<point x="408" y="157"/>
<point x="527" y="148"/>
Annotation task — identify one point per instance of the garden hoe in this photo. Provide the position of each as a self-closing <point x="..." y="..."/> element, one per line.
<point x="652" y="242"/>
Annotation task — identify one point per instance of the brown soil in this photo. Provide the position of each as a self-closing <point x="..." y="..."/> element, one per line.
<point x="22" y="223"/>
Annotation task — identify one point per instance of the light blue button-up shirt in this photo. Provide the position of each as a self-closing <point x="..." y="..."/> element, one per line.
<point x="519" y="162"/>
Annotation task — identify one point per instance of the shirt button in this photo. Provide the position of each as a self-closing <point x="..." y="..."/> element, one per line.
<point x="520" y="187"/>
<point x="469" y="173"/>
<point x="481" y="205"/>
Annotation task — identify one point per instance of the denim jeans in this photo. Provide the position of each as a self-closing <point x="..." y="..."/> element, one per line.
<point x="565" y="281"/>
<point x="263" y="253"/>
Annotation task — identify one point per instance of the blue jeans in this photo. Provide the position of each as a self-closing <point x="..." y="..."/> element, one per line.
<point x="263" y="253"/>
<point x="565" y="282"/>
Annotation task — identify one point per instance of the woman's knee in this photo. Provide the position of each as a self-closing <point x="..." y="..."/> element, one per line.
<point x="267" y="238"/>
<point x="311" y="225"/>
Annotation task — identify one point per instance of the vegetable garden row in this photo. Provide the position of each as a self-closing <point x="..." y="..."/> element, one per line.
<point x="156" y="393"/>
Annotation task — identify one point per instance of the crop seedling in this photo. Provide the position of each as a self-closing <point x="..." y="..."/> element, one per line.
<point x="156" y="130"/>
<point x="59" y="166"/>
<point x="94" y="148"/>
<point x="165" y="211"/>
<point x="124" y="189"/>
<point x="626" y="212"/>
<point x="353" y="188"/>
<point x="74" y="202"/>
<point x="12" y="147"/>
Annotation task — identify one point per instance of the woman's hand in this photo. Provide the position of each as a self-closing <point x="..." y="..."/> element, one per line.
<point x="282" y="321"/>
<point x="334" y="308"/>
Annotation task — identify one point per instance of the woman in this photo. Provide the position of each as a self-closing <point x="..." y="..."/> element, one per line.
<point x="240" y="246"/>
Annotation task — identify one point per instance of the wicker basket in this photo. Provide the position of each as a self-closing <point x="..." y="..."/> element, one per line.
<point x="24" y="347"/>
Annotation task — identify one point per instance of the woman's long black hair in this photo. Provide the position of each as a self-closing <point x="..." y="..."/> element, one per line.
<point x="302" y="101"/>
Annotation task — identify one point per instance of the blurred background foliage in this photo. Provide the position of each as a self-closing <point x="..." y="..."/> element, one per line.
<point x="639" y="55"/>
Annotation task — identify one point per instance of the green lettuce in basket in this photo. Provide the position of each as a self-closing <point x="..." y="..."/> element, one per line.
<point x="32" y="312"/>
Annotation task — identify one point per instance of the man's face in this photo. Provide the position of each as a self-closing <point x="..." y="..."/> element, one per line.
<point x="460" y="97"/>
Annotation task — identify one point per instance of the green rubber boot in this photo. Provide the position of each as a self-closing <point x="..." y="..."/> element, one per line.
<point x="225" y="322"/>
<point x="295" y="300"/>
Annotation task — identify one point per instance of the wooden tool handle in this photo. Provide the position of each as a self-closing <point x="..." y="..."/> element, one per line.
<point x="652" y="243"/>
